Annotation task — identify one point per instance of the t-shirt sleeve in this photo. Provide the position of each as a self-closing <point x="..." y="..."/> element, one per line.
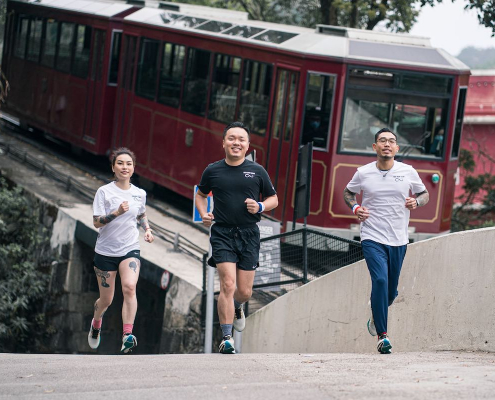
<point x="355" y="184"/>
<point x="205" y="184"/>
<point x="99" y="203"/>
<point x="267" y="190"/>
<point x="142" y="207"/>
<point x="416" y="184"/>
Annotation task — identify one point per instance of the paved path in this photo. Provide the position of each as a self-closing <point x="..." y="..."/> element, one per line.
<point x="442" y="375"/>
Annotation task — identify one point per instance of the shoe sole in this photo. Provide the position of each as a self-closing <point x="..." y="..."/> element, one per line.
<point x="127" y="346"/>
<point x="238" y="329"/>
<point x="372" y="333"/>
<point x="227" y="349"/>
<point x="94" y="347"/>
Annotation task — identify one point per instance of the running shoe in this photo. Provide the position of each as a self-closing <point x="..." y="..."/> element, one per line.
<point x="129" y="341"/>
<point x="384" y="346"/>
<point x="371" y="324"/>
<point x="94" y="337"/>
<point x="227" y="345"/>
<point x="239" y="319"/>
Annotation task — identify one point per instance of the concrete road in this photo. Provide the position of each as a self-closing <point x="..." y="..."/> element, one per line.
<point x="442" y="375"/>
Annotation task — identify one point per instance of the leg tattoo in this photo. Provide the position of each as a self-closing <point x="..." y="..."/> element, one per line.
<point x="96" y="306"/>
<point x="103" y="275"/>
<point x="134" y="265"/>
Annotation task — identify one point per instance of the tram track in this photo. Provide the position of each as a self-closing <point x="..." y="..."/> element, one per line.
<point x="73" y="184"/>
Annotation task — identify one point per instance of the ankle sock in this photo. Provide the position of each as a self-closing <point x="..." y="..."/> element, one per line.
<point x="128" y="329"/>
<point x="226" y="329"/>
<point x="96" y="324"/>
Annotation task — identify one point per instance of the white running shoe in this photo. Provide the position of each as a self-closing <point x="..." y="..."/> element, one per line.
<point x="384" y="346"/>
<point x="227" y="345"/>
<point x="371" y="324"/>
<point x="239" y="319"/>
<point x="94" y="337"/>
<point x="129" y="341"/>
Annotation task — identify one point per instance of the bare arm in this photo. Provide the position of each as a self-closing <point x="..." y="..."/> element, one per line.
<point x="143" y="221"/>
<point x="102" y="220"/>
<point x="202" y="206"/>
<point x="270" y="202"/>
<point x="267" y="204"/>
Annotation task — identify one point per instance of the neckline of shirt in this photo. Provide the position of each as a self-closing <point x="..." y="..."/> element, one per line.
<point x="122" y="190"/>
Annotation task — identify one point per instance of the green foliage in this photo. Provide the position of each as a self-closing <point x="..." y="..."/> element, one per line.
<point x="24" y="272"/>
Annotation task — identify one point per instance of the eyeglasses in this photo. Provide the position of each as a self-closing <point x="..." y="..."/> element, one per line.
<point x="385" y="140"/>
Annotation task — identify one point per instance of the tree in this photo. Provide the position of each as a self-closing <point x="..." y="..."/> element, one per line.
<point x="25" y="260"/>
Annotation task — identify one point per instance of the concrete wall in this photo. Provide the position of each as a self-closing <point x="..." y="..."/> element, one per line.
<point x="446" y="302"/>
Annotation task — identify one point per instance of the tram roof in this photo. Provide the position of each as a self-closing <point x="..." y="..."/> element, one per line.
<point x="103" y="9"/>
<point x="351" y="45"/>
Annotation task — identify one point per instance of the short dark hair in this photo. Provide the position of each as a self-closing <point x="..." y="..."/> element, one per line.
<point x="383" y="130"/>
<point x="236" y="124"/>
<point x="119" y="152"/>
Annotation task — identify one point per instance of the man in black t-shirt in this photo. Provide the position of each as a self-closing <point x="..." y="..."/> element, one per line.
<point x="237" y="185"/>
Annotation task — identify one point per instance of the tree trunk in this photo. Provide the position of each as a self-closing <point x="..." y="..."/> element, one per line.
<point x="354" y="14"/>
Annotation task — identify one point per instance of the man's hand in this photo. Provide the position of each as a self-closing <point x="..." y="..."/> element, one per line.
<point x="362" y="213"/>
<point x="252" y="206"/>
<point x="411" y="203"/>
<point x="207" y="219"/>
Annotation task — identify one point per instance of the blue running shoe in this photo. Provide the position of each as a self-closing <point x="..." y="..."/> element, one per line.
<point x="384" y="346"/>
<point x="129" y="341"/>
<point x="227" y="345"/>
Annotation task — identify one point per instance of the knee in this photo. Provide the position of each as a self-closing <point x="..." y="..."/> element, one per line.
<point x="228" y="287"/>
<point x="244" y="294"/>
<point x="380" y="282"/>
<point x="105" y="302"/>
<point x="128" y="290"/>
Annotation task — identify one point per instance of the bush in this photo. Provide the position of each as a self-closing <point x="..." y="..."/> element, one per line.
<point x="24" y="272"/>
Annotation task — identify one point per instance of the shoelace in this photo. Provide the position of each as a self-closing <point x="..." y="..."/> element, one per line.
<point x="238" y="313"/>
<point x="95" y="334"/>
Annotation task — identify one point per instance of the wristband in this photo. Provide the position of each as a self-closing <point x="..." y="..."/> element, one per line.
<point x="261" y="206"/>
<point x="417" y="203"/>
<point x="355" y="207"/>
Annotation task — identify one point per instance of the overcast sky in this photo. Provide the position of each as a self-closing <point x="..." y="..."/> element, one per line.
<point x="451" y="28"/>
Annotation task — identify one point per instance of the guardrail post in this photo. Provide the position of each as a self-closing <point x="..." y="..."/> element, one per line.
<point x="176" y="241"/>
<point x="305" y="255"/>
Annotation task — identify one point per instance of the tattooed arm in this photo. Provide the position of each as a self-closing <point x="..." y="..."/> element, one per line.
<point x="421" y="199"/>
<point x="102" y="220"/>
<point x="143" y="222"/>
<point x="349" y="198"/>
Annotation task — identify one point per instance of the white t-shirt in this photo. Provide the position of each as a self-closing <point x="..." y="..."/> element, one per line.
<point x="121" y="235"/>
<point x="385" y="198"/>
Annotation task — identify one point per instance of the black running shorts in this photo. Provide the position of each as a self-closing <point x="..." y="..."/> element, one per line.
<point x="106" y="263"/>
<point x="239" y="245"/>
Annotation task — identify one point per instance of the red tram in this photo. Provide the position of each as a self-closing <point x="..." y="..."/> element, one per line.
<point x="184" y="74"/>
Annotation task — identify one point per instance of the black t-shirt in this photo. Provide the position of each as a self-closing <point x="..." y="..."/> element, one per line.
<point x="231" y="186"/>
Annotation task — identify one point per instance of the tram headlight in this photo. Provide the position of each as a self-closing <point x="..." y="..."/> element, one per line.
<point x="435" y="178"/>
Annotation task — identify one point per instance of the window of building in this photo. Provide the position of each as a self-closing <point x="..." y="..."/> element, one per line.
<point x="398" y="101"/>
<point x="82" y="51"/>
<point x="115" y="58"/>
<point x="223" y="99"/>
<point x="255" y="95"/>
<point x="49" y="41"/>
<point x="21" y="36"/>
<point x="66" y="41"/>
<point x="171" y="74"/>
<point x="196" y="82"/>
<point x="320" y="89"/>
<point x="34" y="42"/>
<point x="147" y="68"/>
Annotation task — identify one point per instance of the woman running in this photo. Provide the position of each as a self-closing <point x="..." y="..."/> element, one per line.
<point x="116" y="208"/>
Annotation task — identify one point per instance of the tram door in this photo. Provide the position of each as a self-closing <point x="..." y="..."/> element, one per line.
<point x="95" y="88"/>
<point x="282" y="131"/>
<point x="124" y="92"/>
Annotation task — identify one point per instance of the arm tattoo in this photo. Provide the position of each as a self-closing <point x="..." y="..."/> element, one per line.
<point x="349" y="198"/>
<point x="143" y="221"/>
<point x="422" y="198"/>
<point x="105" y="219"/>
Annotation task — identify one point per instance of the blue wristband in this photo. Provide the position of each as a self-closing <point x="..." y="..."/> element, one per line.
<point x="261" y="206"/>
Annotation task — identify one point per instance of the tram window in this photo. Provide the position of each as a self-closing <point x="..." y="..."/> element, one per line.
<point x="274" y="36"/>
<point x="114" y="58"/>
<point x="320" y="90"/>
<point x="66" y="41"/>
<point x="147" y="68"/>
<point x="171" y="74"/>
<point x="419" y="123"/>
<point x="255" y="95"/>
<point x="196" y="84"/>
<point x="21" y="36"/>
<point x="290" y="108"/>
<point x="81" y="53"/>
<point x="214" y="26"/>
<point x="225" y="83"/>
<point x="34" y="42"/>
<point x="243" y="31"/>
<point x="459" y="119"/>
<point x="188" y="22"/>
<point x="49" y="43"/>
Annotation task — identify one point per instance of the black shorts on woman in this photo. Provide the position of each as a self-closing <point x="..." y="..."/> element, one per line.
<point x="107" y="263"/>
<point x="235" y="244"/>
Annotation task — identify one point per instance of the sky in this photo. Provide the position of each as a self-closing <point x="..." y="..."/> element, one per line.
<point x="452" y="28"/>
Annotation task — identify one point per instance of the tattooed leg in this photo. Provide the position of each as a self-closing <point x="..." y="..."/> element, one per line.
<point x="103" y="275"/>
<point x="106" y="280"/>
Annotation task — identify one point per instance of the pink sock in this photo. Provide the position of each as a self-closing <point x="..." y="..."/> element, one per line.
<point x="128" y="328"/>
<point x="96" y="324"/>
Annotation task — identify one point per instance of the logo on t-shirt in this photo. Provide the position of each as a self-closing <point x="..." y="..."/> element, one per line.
<point x="399" y="178"/>
<point x="248" y="174"/>
<point x="136" y="198"/>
